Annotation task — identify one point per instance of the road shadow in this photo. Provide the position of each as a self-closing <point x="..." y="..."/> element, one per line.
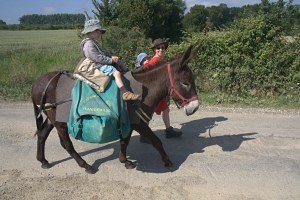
<point x="113" y="145"/>
<point x="178" y="149"/>
<point x="148" y="159"/>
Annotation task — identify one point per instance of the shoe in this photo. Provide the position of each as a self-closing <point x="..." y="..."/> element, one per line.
<point x="144" y="140"/>
<point x="170" y="132"/>
<point x="130" y="96"/>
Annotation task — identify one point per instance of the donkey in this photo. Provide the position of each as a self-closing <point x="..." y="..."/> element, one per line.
<point x="172" y="78"/>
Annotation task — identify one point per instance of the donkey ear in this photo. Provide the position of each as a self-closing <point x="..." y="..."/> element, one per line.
<point x="185" y="58"/>
<point x="188" y="55"/>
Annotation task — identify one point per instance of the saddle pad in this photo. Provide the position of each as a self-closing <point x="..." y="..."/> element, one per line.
<point x="137" y="88"/>
<point x="132" y="84"/>
<point x="63" y="92"/>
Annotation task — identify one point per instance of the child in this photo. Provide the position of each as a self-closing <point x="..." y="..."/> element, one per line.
<point x="91" y="49"/>
<point x="142" y="59"/>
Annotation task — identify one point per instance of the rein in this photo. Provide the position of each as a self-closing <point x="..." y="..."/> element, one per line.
<point x="184" y="101"/>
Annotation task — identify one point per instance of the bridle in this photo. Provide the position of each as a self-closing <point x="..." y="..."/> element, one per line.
<point x="184" y="101"/>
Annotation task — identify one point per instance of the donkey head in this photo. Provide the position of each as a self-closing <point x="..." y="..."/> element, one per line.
<point x="183" y="91"/>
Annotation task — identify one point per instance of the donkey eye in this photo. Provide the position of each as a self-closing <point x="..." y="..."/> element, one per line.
<point x="184" y="84"/>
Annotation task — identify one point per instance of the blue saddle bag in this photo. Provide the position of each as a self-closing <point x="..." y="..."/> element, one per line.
<point x="98" y="117"/>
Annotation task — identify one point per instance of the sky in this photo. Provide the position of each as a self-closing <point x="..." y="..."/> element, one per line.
<point x="12" y="10"/>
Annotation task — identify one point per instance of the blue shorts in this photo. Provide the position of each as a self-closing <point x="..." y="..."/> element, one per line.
<point x="108" y="70"/>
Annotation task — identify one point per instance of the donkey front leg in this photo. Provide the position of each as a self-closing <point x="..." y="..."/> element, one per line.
<point x="145" y="131"/>
<point x="67" y="144"/>
<point x="123" y="152"/>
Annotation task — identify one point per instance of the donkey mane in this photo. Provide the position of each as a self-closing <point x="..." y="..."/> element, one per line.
<point x="156" y="65"/>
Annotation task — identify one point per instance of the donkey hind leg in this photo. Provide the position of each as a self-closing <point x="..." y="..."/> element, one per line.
<point x="145" y="131"/>
<point x="42" y="135"/>
<point x="123" y="150"/>
<point x="67" y="144"/>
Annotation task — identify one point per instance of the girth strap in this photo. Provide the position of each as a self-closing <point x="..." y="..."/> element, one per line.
<point x="140" y="112"/>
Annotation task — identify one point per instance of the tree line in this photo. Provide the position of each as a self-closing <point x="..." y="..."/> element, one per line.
<point x="46" y="22"/>
<point x="282" y="13"/>
<point x="52" y="19"/>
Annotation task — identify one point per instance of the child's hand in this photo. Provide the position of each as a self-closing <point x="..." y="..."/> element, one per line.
<point x="115" y="59"/>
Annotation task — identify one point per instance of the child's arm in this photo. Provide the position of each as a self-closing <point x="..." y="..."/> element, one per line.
<point x="91" y="51"/>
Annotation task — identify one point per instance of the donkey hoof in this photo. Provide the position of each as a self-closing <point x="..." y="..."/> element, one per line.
<point x="129" y="165"/>
<point x="169" y="164"/>
<point x="46" y="165"/>
<point x="90" y="170"/>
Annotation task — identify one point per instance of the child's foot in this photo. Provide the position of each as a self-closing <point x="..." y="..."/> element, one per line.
<point x="130" y="96"/>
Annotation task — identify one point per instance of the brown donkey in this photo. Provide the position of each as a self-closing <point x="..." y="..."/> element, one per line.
<point x="173" y="78"/>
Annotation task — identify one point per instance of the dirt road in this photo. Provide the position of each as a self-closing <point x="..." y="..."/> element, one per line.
<point x="223" y="154"/>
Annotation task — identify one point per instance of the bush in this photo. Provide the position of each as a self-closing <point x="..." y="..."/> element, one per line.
<point x="127" y="43"/>
<point x="251" y="59"/>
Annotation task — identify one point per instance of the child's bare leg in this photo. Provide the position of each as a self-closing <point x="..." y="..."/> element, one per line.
<point x="127" y="95"/>
<point x="118" y="79"/>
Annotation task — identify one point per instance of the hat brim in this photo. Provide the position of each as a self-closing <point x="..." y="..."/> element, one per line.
<point x="164" y="43"/>
<point x="91" y="29"/>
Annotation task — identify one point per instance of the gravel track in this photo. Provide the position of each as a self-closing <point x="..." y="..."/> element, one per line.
<point x="224" y="153"/>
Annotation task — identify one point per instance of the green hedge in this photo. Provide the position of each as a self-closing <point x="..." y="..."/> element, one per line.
<point x="252" y="59"/>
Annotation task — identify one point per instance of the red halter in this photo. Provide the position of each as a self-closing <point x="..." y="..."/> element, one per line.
<point x="184" y="101"/>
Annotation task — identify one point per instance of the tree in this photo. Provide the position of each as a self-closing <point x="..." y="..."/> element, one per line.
<point x="135" y="13"/>
<point x="105" y="11"/>
<point x="195" y="19"/>
<point x="2" y="22"/>
<point x="156" y="18"/>
<point x="201" y="18"/>
<point x="53" y="19"/>
<point x="282" y="14"/>
<point x="220" y="15"/>
<point x="167" y="19"/>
